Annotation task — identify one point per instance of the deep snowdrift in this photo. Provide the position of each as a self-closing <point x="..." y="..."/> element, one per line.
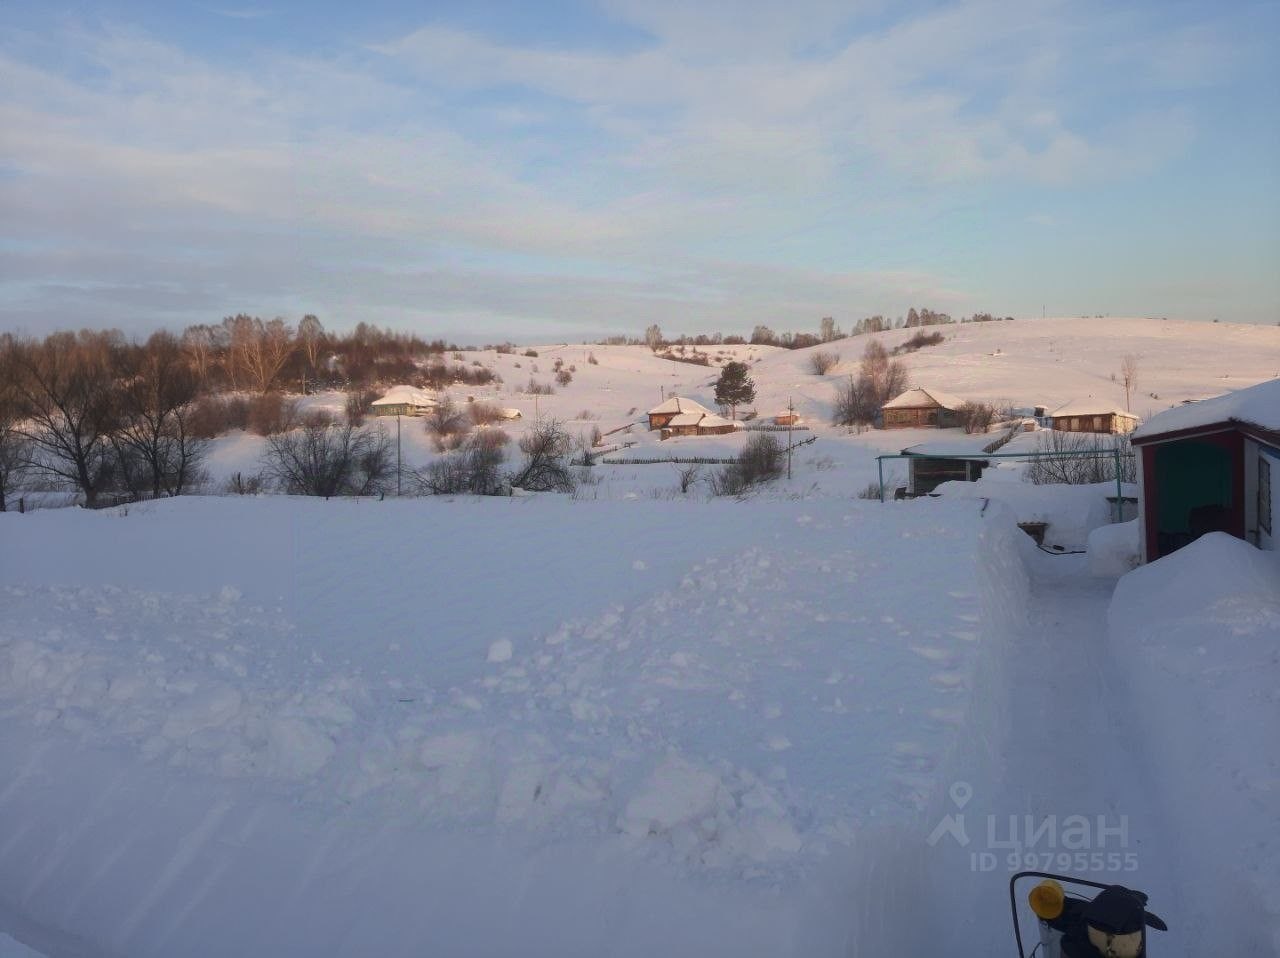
<point x="1198" y="634"/>
<point x="303" y="727"/>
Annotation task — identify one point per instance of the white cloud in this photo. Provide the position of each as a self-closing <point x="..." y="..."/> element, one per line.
<point x="671" y="167"/>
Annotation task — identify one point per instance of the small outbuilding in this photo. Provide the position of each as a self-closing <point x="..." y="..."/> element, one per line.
<point x="788" y="417"/>
<point x="713" y="425"/>
<point x="661" y="416"/>
<point x="404" y="401"/>
<point x="1092" y="415"/>
<point x="1211" y="466"/>
<point x="953" y="459"/>
<point x="684" y="424"/>
<point x="922" y="407"/>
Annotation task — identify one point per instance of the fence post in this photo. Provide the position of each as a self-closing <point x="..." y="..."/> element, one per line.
<point x="1119" y="487"/>
<point x="880" y="467"/>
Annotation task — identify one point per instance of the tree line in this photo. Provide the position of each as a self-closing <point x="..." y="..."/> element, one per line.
<point x="828" y="331"/>
<point x="94" y="411"/>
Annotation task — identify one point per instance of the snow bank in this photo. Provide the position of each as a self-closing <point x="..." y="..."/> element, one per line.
<point x="1072" y="512"/>
<point x="1113" y="549"/>
<point x="670" y="718"/>
<point x="1197" y="634"/>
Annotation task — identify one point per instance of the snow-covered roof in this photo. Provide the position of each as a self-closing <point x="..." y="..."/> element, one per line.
<point x="1257" y="405"/>
<point x="973" y="445"/>
<point x="405" y="394"/>
<point x="687" y="419"/>
<point x="1090" y="407"/>
<point x="914" y="398"/>
<point x="678" y="404"/>
<point x="711" y="420"/>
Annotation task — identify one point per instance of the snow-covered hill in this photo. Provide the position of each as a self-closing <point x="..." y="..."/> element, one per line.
<point x="657" y="723"/>
<point x="1047" y="362"/>
<point x="1019" y="363"/>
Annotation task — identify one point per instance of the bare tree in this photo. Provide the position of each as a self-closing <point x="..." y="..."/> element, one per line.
<point x="310" y="339"/>
<point x="66" y="396"/>
<point x="473" y="468"/>
<point x="546" y="468"/>
<point x="1080" y="458"/>
<point x="976" y="417"/>
<point x="855" y="403"/>
<point x="329" y="460"/>
<point x="15" y="462"/>
<point x="822" y="362"/>
<point x="1129" y="376"/>
<point x="15" y="448"/>
<point x="761" y="459"/>
<point x="201" y="345"/>
<point x="256" y="351"/>
<point x="885" y="377"/>
<point x="153" y="431"/>
<point x="653" y="337"/>
<point x="687" y="476"/>
<point x="447" y="424"/>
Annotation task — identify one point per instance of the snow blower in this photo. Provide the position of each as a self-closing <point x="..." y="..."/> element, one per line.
<point x="1084" y="919"/>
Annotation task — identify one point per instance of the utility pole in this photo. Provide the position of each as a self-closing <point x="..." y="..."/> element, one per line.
<point x="791" y="418"/>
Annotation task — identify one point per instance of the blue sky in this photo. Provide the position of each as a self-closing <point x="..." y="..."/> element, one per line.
<point x="568" y="169"/>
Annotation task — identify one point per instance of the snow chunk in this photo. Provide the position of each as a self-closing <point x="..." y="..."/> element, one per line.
<point x="210" y="707"/>
<point x="1113" y="550"/>
<point x="500" y="651"/>
<point x="296" y="748"/>
<point x="676" y="792"/>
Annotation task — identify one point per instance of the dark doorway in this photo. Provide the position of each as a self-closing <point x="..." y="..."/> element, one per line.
<point x="1197" y="483"/>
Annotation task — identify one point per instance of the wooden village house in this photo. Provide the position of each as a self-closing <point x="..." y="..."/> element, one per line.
<point x="403" y="401"/>
<point x="660" y="416"/>
<point x="1092" y="415"/>
<point x="922" y="407"/>
<point x="684" y="417"/>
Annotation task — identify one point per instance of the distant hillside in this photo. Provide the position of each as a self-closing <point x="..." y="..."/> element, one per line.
<point x="1050" y="361"/>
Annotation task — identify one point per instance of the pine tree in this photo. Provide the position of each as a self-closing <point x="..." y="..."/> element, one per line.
<point x="734" y="387"/>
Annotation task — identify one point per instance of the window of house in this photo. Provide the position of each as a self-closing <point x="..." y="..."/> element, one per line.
<point x="1264" y="495"/>
<point x="1098" y="424"/>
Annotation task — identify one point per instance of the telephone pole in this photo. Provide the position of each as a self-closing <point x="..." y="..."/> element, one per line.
<point x="791" y="419"/>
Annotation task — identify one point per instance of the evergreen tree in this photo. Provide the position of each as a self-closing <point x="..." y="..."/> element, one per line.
<point x="734" y="387"/>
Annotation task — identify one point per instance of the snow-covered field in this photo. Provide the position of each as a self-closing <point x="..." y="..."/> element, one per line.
<point x="609" y="727"/>
<point x="637" y="721"/>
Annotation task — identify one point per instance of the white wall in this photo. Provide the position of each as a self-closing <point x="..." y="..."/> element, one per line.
<point x="1253" y="451"/>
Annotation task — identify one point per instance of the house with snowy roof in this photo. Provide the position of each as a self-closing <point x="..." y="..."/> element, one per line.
<point x="404" y="401"/>
<point x="1092" y="415"/>
<point x="684" y="417"/>
<point x="661" y="416"/>
<point x="921" y="407"/>
<point x="1210" y="466"/>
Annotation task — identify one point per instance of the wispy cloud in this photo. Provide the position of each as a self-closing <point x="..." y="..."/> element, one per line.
<point x="739" y="162"/>
<point x="242" y="13"/>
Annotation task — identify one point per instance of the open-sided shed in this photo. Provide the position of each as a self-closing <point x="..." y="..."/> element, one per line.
<point x="930" y="464"/>
<point x="1210" y="466"/>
